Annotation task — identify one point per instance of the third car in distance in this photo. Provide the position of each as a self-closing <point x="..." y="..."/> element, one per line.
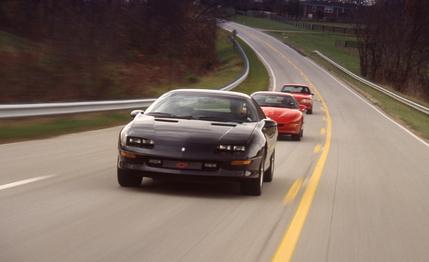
<point x="302" y="94"/>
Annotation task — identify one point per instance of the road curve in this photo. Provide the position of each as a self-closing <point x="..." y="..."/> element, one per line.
<point x="371" y="203"/>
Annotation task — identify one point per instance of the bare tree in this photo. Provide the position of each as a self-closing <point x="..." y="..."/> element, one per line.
<point x="87" y="36"/>
<point x="394" y="45"/>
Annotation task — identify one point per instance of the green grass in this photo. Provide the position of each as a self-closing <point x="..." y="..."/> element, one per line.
<point x="258" y="78"/>
<point x="333" y="24"/>
<point x="230" y="67"/>
<point x="308" y="41"/>
<point x="263" y="23"/>
<point x="413" y="119"/>
<point x="12" y="130"/>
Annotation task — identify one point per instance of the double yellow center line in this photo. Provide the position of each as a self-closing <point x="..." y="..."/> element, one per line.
<point x="288" y="244"/>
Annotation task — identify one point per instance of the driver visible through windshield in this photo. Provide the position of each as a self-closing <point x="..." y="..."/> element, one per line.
<point x="204" y="107"/>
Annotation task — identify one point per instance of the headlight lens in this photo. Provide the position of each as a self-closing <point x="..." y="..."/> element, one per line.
<point x="307" y="101"/>
<point x="139" y="141"/>
<point x="239" y="148"/>
<point x="123" y="136"/>
<point x="231" y="148"/>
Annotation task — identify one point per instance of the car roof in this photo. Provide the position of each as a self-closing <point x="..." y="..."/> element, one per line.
<point x="272" y="93"/>
<point x="209" y="91"/>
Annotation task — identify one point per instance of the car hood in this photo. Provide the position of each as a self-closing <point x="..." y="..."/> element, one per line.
<point x="281" y="114"/>
<point x="196" y="136"/>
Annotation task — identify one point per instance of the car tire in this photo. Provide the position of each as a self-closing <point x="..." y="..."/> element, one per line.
<point x="253" y="186"/>
<point x="310" y="111"/>
<point x="125" y="179"/>
<point x="268" y="175"/>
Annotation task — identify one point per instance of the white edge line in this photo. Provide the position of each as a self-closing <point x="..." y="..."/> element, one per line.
<point x="23" y="182"/>
<point x="267" y="65"/>
<point x="343" y="85"/>
<point x="368" y="103"/>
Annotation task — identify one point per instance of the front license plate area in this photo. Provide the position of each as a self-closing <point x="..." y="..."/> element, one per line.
<point x="182" y="165"/>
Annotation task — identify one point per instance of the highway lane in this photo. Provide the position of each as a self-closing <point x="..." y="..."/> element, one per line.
<point x="81" y="214"/>
<point x="371" y="204"/>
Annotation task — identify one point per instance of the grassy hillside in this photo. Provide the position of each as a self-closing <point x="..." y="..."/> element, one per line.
<point x="34" y="72"/>
<point x="230" y="66"/>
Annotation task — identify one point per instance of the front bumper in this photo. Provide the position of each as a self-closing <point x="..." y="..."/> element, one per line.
<point x="288" y="128"/>
<point x="308" y="106"/>
<point x="140" y="167"/>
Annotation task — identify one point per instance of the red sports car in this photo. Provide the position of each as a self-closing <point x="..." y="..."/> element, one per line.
<point x="285" y="110"/>
<point x="302" y="94"/>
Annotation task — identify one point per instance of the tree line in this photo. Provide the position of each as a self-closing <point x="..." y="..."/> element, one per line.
<point x="86" y="35"/>
<point x="394" y="44"/>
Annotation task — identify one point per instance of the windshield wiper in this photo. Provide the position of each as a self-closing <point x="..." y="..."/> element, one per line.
<point x="212" y="118"/>
<point x="167" y="115"/>
<point x="160" y="114"/>
<point x="218" y="119"/>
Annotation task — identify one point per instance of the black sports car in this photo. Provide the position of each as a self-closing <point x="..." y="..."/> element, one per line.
<point x="199" y="134"/>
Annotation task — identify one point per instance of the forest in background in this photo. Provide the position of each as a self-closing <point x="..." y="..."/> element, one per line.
<point x="392" y="37"/>
<point x="63" y="50"/>
<point x="394" y="44"/>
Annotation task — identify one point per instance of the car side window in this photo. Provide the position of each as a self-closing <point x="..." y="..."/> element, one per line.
<point x="259" y="111"/>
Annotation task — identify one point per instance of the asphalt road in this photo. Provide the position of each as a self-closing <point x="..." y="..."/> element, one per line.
<point x="372" y="202"/>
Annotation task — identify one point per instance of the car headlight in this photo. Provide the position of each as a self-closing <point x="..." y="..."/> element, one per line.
<point x="231" y="148"/>
<point x="123" y="136"/>
<point x="139" y="141"/>
<point x="307" y="101"/>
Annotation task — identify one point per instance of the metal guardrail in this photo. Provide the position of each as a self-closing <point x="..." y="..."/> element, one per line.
<point x="393" y="95"/>
<point x="246" y="68"/>
<point x="45" y="109"/>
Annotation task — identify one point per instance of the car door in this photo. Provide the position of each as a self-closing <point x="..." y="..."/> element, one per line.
<point x="269" y="129"/>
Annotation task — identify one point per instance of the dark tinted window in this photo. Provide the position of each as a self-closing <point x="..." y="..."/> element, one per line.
<point x="296" y="89"/>
<point x="259" y="110"/>
<point x="268" y="100"/>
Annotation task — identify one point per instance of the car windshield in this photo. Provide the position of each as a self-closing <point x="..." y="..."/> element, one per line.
<point x="296" y="89"/>
<point x="209" y="107"/>
<point x="272" y="100"/>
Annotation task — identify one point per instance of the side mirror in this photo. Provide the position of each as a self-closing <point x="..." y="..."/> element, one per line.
<point x="270" y="123"/>
<point x="134" y="113"/>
